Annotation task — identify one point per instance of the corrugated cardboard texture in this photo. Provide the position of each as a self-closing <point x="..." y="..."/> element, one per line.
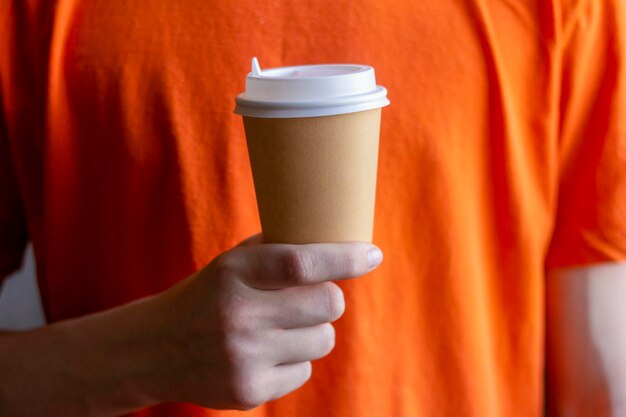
<point x="315" y="178"/>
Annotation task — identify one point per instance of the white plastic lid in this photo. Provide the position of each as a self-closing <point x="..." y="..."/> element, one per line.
<point x="310" y="91"/>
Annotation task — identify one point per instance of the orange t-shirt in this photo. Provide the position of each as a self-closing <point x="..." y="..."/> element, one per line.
<point x="503" y="153"/>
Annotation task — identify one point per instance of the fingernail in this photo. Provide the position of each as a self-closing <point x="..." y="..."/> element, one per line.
<point x="374" y="257"/>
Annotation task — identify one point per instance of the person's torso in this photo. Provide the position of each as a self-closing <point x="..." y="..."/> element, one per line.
<point x="142" y="177"/>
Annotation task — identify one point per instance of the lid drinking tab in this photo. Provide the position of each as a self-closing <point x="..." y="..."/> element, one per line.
<point x="256" y="68"/>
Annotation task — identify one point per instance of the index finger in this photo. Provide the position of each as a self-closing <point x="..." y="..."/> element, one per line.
<point x="276" y="265"/>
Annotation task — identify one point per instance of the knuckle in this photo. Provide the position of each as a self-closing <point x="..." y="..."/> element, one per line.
<point x="335" y="304"/>
<point x="298" y="266"/>
<point x="224" y="267"/>
<point x="247" y="390"/>
<point x="240" y="341"/>
<point x="235" y="314"/>
<point x="236" y="351"/>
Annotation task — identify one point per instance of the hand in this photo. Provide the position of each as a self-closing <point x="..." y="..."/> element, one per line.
<point x="238" y="333"/>
<point x="245" y="328"/>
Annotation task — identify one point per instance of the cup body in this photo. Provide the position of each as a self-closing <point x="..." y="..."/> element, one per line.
<point x="315" y="177"/>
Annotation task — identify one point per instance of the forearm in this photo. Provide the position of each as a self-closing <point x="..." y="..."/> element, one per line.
<point x="98" y="365"/>
<point x="586" y="341"/>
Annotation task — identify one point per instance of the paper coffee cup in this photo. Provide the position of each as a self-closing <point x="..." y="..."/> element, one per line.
<point x="312" y="133"/>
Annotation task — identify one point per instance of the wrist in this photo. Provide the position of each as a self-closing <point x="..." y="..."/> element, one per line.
<point x="105" y="364"/>
<point x="119" y="356"/>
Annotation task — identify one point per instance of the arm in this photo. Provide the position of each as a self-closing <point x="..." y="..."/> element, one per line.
<point x="586" y="341"/>
<point x="70" y="368"/>
<point x="238" y="333"/>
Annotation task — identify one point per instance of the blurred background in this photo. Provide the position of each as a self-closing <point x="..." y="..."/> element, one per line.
<point x="20" y="305"/>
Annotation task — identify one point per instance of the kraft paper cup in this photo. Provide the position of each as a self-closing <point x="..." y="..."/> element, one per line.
<point x="312" y="134"/>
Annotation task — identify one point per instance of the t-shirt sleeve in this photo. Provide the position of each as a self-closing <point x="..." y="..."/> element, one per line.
<point x="590" y="224"/>
<point x="13" y="229"/>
